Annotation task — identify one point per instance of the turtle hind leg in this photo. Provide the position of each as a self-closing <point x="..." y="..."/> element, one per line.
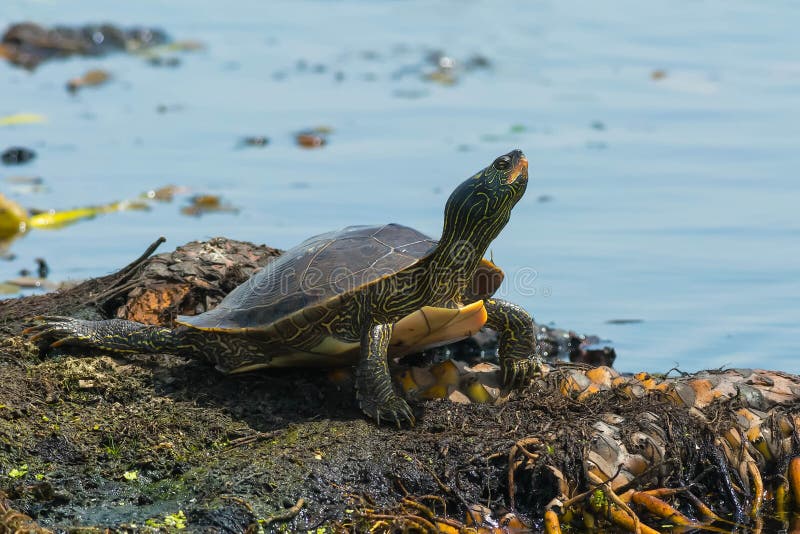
<point x="374" y="390"/>
<point x="514" y="325"/>
<point x="115" y="335"/>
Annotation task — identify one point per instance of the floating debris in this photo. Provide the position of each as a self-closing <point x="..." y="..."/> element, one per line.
<point x="202" y="204"/>
<point x="16" y="220"/>
<point x="159" y="56"/>
<point x="25" y="180"/>
<point x="511" y="136"/>
<point x="442" y="77"/>
<point x="26" y="184"/>
<point x="92" y="78"/>
<point x="310" y="140"/>
<point x="256" y="141"/>
<point x="52" y="219"/>
<point x="32" y="282"/>
<point x="448" y="70"/>
<point x="159" y="61"/>
<point x="168" y="108"/>
<point x="598" y="125"/>
<point x="313" y="138"/>
<point x="477" y="61"/>
<point x="596" y="145"/>
<point x="187" y="45"/>
<point x="658" y="74"/>
<point x="164" y="194"/>
<point x="13" y="218"/>
<point x="624" y="321"/>
<point x="17" y="155"/>
<point x="411" y="94"/>
<point x="22" y="118"/>
<point x="28" y="45"/>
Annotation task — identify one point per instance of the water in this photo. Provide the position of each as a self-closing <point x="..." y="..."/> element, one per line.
<point x="671" y="200"/>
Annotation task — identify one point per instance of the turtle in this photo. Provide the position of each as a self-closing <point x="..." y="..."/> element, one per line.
<point x="358" y="296"/>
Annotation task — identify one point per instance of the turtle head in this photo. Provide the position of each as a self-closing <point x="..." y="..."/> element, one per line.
<point x="481" y="206"/>
<point x="504" y="181"/>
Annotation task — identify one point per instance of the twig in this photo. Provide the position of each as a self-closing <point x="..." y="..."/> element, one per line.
<point x="594" y="479"/>
<point x="239" y="500"/>
<point x="286" y="515"/>
<point x="123" y="274"/>
<point x="414" y="519"/>
<point x="247" y="440"/>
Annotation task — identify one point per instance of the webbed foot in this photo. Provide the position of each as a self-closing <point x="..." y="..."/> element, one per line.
<point x="57" y="330"/>
<point x="517" y="372"/>
<point x="374" y="390"/>
<point x="391" y="409"/>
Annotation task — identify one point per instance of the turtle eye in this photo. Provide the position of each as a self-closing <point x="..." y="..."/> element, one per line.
<point x="502" y="163"/>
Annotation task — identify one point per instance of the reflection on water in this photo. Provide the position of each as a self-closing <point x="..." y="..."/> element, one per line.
<point x="662" y="142"/>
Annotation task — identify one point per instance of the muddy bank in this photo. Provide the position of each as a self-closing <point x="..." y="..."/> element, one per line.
<point x="164" y="442"/>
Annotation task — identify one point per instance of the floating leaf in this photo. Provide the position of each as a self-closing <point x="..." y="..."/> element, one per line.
<point x="57" y="219"/>
<point x="92" y="78"/>
<point x="202" y="204"/>
<point x="22" y="118"/>
<point x="658" y="74"/>
<point x="13" y="218"/>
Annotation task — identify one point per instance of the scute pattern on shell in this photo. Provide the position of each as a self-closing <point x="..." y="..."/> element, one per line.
<point x="318" y="270"/>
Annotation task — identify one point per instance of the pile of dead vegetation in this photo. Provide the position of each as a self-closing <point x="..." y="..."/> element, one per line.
<point x="165" y="443"/>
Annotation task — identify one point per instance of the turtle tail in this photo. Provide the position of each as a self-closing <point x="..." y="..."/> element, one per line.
<point x="115" y="335"/>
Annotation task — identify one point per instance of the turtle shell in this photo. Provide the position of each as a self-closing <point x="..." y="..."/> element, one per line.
<point x="321" y="268"/>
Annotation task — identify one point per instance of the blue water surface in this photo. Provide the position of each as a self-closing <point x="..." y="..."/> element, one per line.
<point x="662" y="137"/>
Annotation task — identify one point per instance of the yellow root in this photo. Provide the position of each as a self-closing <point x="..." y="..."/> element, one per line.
<point x="625" y="520"/>
<point x="758" y="488"/>
<point x="782" y="499"/>
<point x="661" y="509"/>
<point x="594" y="479"/>
<point x="794" y="480"/>
<point x="703" y="509"/>
<point x="519" y="446"/>
<point x="551" y="523"/>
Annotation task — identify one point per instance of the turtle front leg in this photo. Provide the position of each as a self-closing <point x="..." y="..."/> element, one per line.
<point x="517" y="344"/>
<point x="374" y="390"/>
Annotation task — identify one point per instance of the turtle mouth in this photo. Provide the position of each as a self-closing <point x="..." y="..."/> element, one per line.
<point x="519" y="172"/>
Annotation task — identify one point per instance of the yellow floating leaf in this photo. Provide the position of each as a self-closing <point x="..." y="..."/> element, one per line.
<point x="57" y="219"/>
<point x="22" y="118"/>
<point x="13" y="218"/>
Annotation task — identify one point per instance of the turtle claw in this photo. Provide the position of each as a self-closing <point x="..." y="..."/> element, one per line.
<point x="393" y="409"/>
<point x="396" y="410"/>
<point x="58" y="330"/>
<point x="517" y="372"/>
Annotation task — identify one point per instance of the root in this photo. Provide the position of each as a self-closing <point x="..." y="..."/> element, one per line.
<point x="286" y="515"/>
